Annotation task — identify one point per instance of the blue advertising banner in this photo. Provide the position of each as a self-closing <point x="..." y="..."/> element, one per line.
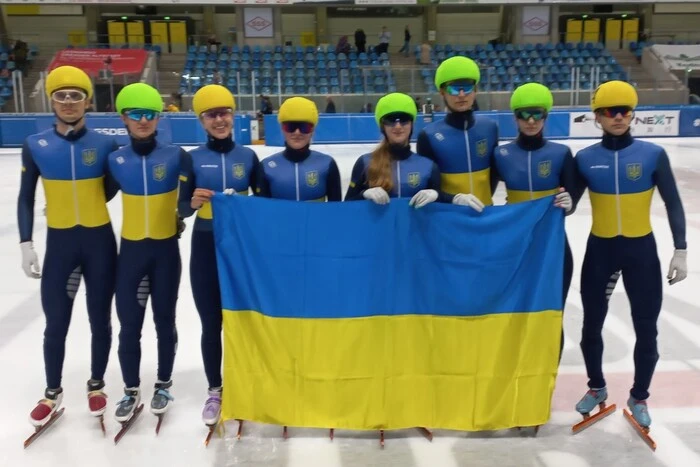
<point x="690" y="121"/>
<point x="362" y="128"/>
<point x="184" y="129"/>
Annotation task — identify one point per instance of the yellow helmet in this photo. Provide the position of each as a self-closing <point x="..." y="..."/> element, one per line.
<point x="613" y="94"/>
<point x="68" y="77"/>
<point x="212" y="96"/>
<point x="298" y="109"/>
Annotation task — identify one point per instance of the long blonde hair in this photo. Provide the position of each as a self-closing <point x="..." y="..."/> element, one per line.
<point x="379" y="171"/>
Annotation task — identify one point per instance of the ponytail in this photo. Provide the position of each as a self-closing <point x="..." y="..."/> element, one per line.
<point x="379" y="172"/>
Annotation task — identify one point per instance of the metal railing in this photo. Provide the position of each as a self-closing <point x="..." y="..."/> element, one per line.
<point x="115" y="41"/>
<point x="413" y="80"/>
<point x="30" y="38"/>
<point x="35" y="99"/>
<point x="442" y="37"/>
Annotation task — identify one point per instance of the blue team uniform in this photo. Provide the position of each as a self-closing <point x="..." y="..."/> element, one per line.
<point x="149" y="257"/>
<point x="533" y="168"/>
<point x="621" y="174"/>
<point x="79" y="241"/>
<point x="218" y="165"/>
<point x="411" y="173"/>
<point x="461" y="145"/>
<point x="299" y="175"/>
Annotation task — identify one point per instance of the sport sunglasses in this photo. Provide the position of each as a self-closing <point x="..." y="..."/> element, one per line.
<point x="612" y="112"/>
<point x="535" y="114"/>
<point x="138" y="114"/>
<point x="304" y="127"/>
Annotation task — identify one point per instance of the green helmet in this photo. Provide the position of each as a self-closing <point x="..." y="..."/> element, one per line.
<point x="531" y="95"/>
<point x="139" y="96"/>
<point x="395" y="102"/>
<point x="455" y="68"/>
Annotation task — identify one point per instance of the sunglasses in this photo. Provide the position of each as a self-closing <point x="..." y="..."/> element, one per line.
<point x="67" y="96"/>
<point x="453" y="89"/>
<point x="213" y="114"/>
<point x="535" y="114"/>
<point x="400" y="118"/>
<point x="304" y="127"/>
<point x="612" y="112"/>
<point x="138" y="114"/>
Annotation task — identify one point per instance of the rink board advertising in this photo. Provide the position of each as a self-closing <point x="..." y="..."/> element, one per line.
<point x="184" y="129"/>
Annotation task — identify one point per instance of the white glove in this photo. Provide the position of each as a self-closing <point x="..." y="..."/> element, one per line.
<point x="470" y="200"/>
<point x="563" y="200"/>
<point x="423" y="197"/>
<point x="229" y="191"/>
<point x="30" y="261"/>
<point x="377" y="194"/>
<point x="679" y="267"/>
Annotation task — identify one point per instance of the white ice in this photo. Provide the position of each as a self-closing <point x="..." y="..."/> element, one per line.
<point x="76" y="440"/>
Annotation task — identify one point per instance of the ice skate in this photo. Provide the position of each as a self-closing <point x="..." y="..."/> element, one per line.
<point x="128" y="410"/>
<point x="97" y="399"/>
<point x="161" y="397"/>
<point x="638" y="417"/>
<point x="46" y="407"/>
<point x="593" y="398"/>
<point x="45" y="414"/>
<point x="639" y="411"/>
<point x="161" y="401"/>
<point x="212" y="412"/>
<point x="212" y="408"/>
<point x="127" y="406"/>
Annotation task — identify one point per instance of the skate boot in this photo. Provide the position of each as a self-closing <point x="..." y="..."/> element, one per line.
<point x="161" y="397"/>
<point x="639" y="412"/>
<point x="128" y="404"/>
<point x="46" y="407"/>
<point x="212" y="408"/>
<point x="639" y="419"/>
<point x="593" y="398"/>
<point x="97" y="399"/>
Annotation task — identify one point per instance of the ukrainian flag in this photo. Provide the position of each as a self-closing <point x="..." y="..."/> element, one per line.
<point x="358" y="316"/>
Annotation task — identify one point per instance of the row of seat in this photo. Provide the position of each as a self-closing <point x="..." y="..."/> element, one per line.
<point x="505" y="66"/>
<point x="286" y="56"/>
<point x="7" y="66"/>
<point x="291" y="69"/>
<point x="33" y="49"/>
<point x="296" y="69"/>
<point x="250" y="49"/>
<point x="295" y="81"/>
<point x="282" y="65"/>
<point x="490" y="47"/>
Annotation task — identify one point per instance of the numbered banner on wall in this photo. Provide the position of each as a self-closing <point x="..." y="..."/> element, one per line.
<point x="646" y="123"/>
<point x="258" y="22"/>
<point x="535" y="20"/>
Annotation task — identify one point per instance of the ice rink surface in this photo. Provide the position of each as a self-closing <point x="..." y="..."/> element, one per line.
<point x="76" y="440"/>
